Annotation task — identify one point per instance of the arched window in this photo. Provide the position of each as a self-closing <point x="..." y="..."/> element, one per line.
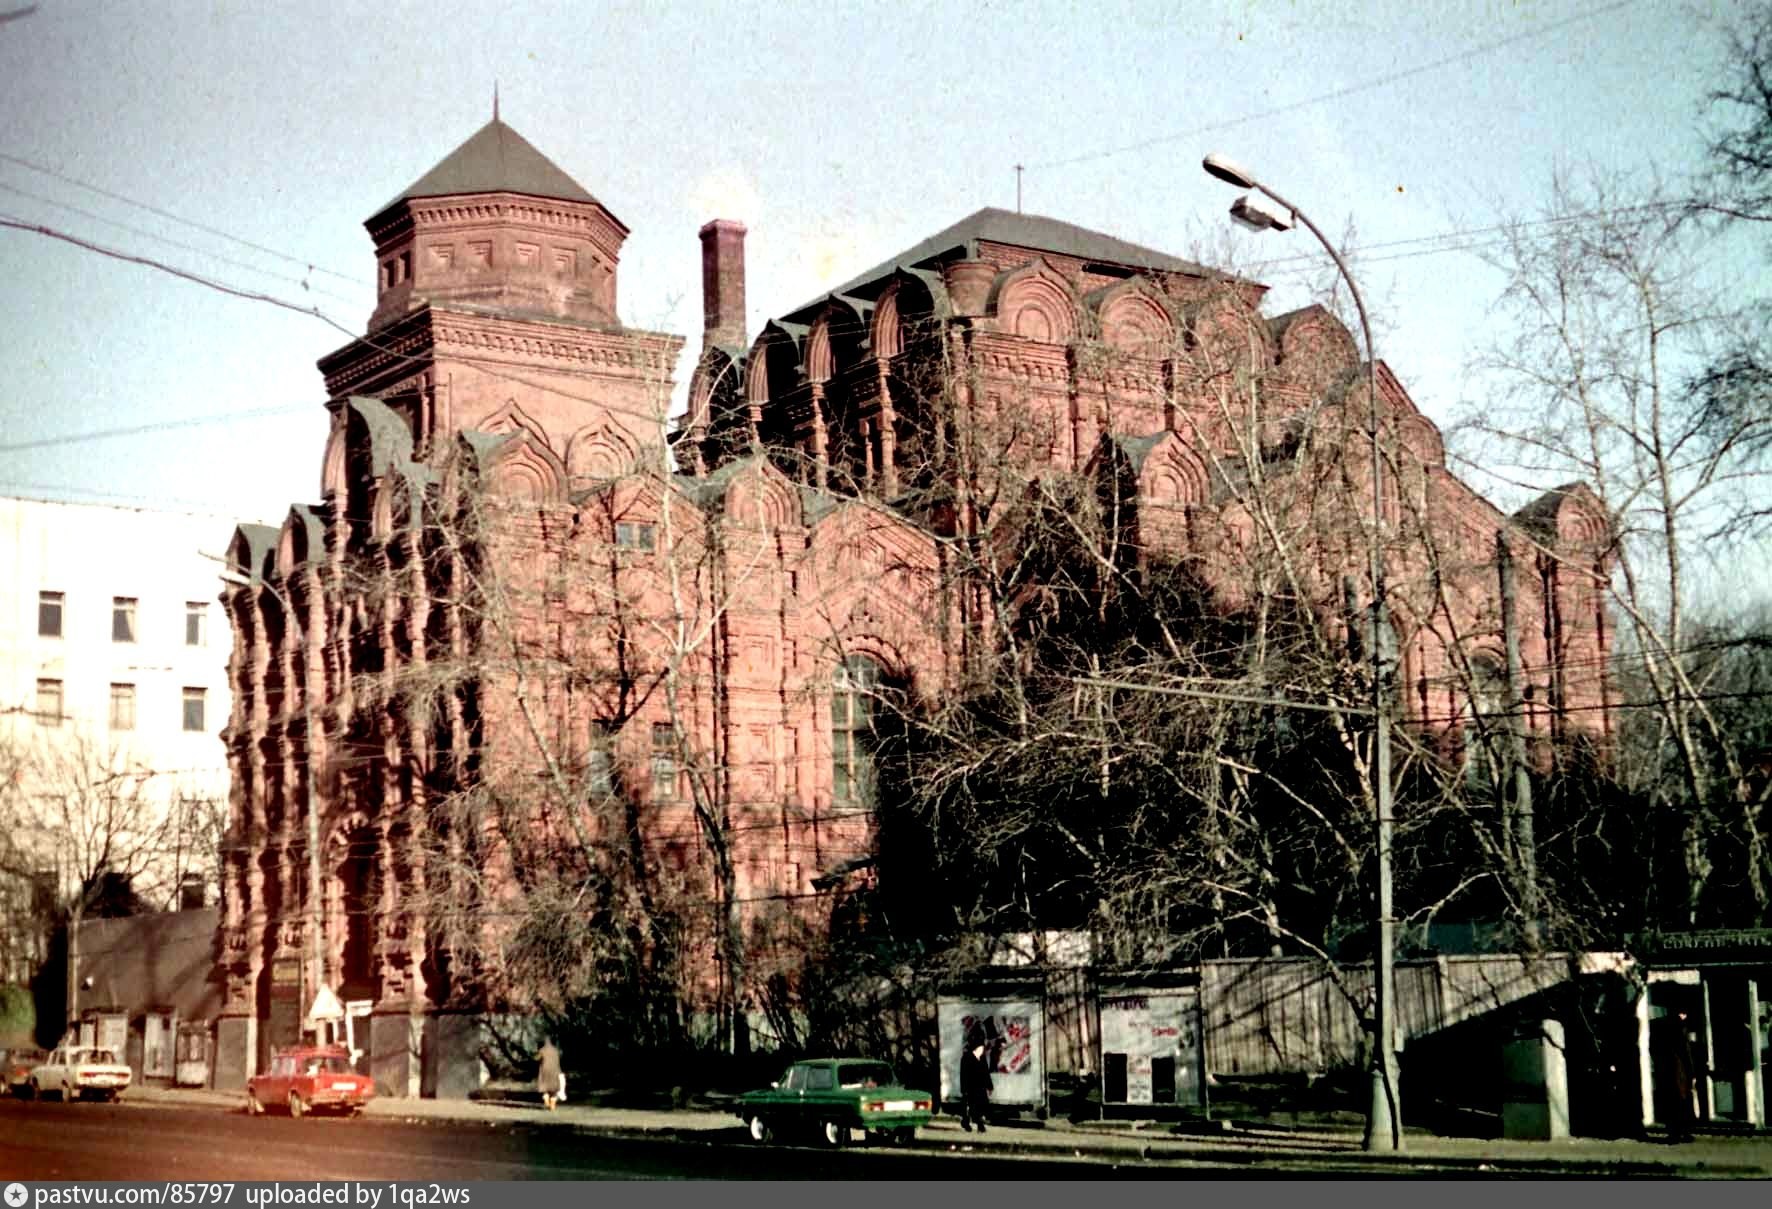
<point x="853" y="745"/>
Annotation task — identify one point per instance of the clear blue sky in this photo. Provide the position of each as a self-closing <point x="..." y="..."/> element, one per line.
<point x="838" y="132"/>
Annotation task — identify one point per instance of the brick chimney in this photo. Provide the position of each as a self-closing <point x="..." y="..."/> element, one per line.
<point x="722" y="282"/>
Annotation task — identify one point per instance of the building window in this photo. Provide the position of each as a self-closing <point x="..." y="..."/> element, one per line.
<point x="852" y="729"/>
<point x="196" y="623"/>
<point x="194" y="708"/>
<point x="122" y="619"/>
<point x="635" y="535"/>
<point x="664" y="762"/>
<point x="49" y="614"/>
<point x="123" y="707"/>
<point x="602" y="757"/>
<point x="49" y="702"/>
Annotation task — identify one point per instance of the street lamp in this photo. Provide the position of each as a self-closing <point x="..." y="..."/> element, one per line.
<point x="312" y="975"/>
<point x="1264" y="210"/>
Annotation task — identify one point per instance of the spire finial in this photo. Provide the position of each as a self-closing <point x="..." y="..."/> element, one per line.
<point x="495" y="100"/>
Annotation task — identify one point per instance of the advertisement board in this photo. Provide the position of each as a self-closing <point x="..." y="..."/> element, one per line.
<point x="1150" y="1047"/>
<point x="1014" y="1036"/>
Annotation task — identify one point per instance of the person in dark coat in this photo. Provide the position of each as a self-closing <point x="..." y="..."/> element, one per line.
<point x="1682" y="1071"/>
<point x="548" y="1076"/>
<point x="975" y="1087"/>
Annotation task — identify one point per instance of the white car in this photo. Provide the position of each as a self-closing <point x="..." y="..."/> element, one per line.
<point x="82" y="1071"/>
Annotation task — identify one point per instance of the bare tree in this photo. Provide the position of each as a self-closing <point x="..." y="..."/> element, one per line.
<point x="1607" y="312"/>
<point x="87" y="829"/>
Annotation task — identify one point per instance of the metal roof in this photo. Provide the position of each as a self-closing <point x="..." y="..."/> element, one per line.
<point x="495" y="159"/>
<point x="1032" y="231"/>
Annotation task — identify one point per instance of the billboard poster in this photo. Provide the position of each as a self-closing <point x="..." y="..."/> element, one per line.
<point x="1150" y="1048"/>
<point x="1013" y="1033"/>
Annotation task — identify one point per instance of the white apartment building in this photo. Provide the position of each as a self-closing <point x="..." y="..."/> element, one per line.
<point x="113" y="695"/>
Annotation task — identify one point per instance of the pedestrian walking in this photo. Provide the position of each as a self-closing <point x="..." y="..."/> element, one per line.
<point x="550" y="1080"/>
<point x="975" y="1087"/>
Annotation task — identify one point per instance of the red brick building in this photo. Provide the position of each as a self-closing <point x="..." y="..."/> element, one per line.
<point x="738" y="589"/>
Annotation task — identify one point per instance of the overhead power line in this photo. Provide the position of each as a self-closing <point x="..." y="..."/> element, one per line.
<point x="171" y="217"/>
<point x="1352" y="89"/>
<point x="122" y="226"/>
<point x="149" y="262"/>
<point x="137" y="430"/>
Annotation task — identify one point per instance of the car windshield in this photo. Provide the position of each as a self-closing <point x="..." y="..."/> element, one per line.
<point x="334" y="1065"/>
<point x="865" y="1074"/>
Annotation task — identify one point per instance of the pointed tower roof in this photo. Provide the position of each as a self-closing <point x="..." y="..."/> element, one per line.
<point x="495" y="159"/>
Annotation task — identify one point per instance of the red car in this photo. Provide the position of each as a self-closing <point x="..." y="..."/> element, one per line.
<point x="307" y="1078"/>
<point x="16" y="1068"/>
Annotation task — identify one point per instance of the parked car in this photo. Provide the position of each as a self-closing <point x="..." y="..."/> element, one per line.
<point x="309" y="1078"/>
<point x="83" y="1072"/>
<point x="16" y="1068"/>
<point x="828" y="1098"/>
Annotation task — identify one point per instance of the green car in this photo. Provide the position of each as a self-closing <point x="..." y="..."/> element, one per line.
<point x="827" y="1098"/>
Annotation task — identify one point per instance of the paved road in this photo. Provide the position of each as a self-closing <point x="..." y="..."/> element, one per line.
<point x="120" y="1142"/>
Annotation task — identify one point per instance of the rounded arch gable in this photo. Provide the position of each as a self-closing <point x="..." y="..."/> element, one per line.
<point x="885" y="334"/>
<point x="1174" y="475"/>
<point x="530" y="474"/>
<point x="604" y="452"/>
<point x="1316" y="348"/>
<point x="332" y="464"/>
<point x="1421" y="437"/>
<point x="1135" y="321"/>
<point x="1582" y="521"/>
<point x="762" y="498"/>
<point x="511" y="418"/>
<point x="1037" y="304"/>
<point x="1224" y="333"/>
<point x="774" y="369"/>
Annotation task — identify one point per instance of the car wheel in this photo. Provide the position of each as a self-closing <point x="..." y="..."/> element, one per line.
<point x="68" y="1096"/>
<point x="297" y="1106"/>
<point x="834" y="1134"/>
<point x="761" y="1131"/>
<point x="33" y="1092"/>
<point x="253" y="1107"/>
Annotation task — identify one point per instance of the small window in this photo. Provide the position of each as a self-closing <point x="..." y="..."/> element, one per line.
<point x="49" y="614"/>
<point x="636" y="535"/>
<point x="820" y="1078"/>
<point x="49" y="702"/>
<point x="796" y="1078"/>
<point x="194" y="708"/>
<point x="196" y="623"/>
<point x="664" y="762"/>
<point x="602" y="757"/>
<point x="122" y="619"/>
<point x="123" y="707"/>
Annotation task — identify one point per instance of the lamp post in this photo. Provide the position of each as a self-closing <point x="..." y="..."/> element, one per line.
<point x="312" y="975"/>
<point x="1264" y="210"/>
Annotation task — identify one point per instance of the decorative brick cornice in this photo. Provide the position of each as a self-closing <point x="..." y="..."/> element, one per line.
<point x="627" y="353"/>
<point x="585" y="220"/>
<point x="404" y="347"/>
<point x="425" y="335"/>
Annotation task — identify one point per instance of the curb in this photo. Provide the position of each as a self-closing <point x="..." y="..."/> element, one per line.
<point x="1233" y="1147"/>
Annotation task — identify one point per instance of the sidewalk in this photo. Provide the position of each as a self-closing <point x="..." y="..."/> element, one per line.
<point x="1323" y="1151"/>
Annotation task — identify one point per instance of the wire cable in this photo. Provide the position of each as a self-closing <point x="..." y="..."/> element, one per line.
<point x="171" y="217"/>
